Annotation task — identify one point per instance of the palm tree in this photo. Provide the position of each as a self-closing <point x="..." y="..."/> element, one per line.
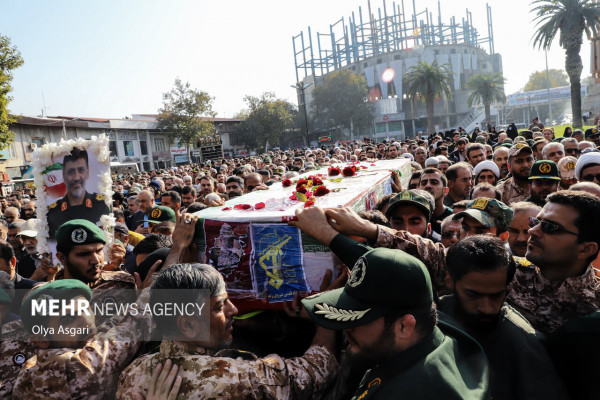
<point x="426" y="81"/>
<point x="486" y="89"/>
<point x="570" y="19"/>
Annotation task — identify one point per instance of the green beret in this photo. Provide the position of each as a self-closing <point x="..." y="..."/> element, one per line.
<point x="62" y="289"/>
<point x="161" y="214"/>
<point x="76" y="232"/>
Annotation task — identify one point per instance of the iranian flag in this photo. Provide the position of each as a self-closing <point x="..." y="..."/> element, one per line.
<point x="53" y="181"/>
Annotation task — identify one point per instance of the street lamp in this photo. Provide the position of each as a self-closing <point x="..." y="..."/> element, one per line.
<point x="301" y="86"/>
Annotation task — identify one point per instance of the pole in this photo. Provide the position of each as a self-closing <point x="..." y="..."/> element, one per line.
<point x="548" y="87"/>
<point x="305" y="116"/>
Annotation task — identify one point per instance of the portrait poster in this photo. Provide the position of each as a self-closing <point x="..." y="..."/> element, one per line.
<point x="73" y="181"/>
<point x="228" y="249"/>
<point x="277" y="261"/>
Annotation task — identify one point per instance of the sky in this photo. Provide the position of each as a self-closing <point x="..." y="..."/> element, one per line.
<point x="114" y="58"/>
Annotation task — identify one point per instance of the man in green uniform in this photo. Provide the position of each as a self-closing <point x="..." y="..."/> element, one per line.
<point x="387" y="312"/>
<point x="480" y="268"/>
<point x="78" y="203"/>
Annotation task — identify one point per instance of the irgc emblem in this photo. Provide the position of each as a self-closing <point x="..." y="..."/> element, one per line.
<point x="545" y="168"/>
<point x="358" y="273"/>
<point x="155" y="213"/>
<point x="79" y="235"/>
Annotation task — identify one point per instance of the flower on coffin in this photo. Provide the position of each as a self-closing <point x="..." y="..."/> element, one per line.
<point x="259" y="206"/>
<point x="334" y="171"/>
<point x="321" y="191"/>
<point x="242" y="207"/>
<point x="309" y="203"/>
<point x="286" y="183"/>
<point x="349" y="171"/>
<point x="227" y="209"/>
<point x="301" y="189"/>
<point x="300" y="183"/>
<point x="316" y="181"/>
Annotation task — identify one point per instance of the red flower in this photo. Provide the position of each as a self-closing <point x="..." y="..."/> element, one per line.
<point x="349" y="171"/>
<point x="334" y="171"/>
<point x="316" y="181"/>
<point x="301" y="189"/>
<point x="321" y="191"/>
<point x="309" y="203"/>
<point x="260" y="205"/>
<point x="242" y="207"/>
<point x="293" y="197"/>
<point x="226" y="209"/>
<point x="301" y="183"/>
<point x="286" y="183"/>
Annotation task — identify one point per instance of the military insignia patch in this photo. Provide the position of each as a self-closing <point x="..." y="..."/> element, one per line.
<point x="525" y="262"/>
<point x="406" y="195"/>
<point x="570" y="166"/>
<point x="155" y="213"/>
<point x="481" y="203"/>
<point x="88" y="203"/>
<point x="358" y="273"/>
<point x="79" y="235"/>
<point x="99" y="197"/>
<point x="63" y="206"/>
<point x="51" y="206"/>
<point x="19" y="359"/>
<point x="545" y="168"/>
<point x="374" y="382"/>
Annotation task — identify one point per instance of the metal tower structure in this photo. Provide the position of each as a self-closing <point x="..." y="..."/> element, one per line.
<point x="359" y="37"/>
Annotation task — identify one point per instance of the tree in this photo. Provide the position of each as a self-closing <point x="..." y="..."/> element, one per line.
<point x="486" y="89"/>
<point x="426" y="82"/>
<point x="342" y="101"/>
<point x="10" y="59"/>
<point x="182" y="114"/>
<point x="570" y="19"/>
<point x="538" y="81"/>
<point x="267" y="118"/>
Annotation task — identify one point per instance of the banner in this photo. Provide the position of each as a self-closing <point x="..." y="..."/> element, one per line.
<point x="228" y="249"/>
<point x="277" y="261"/>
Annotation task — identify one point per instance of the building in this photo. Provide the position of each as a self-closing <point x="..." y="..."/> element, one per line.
<point x="135" y="140"/>
<point x="383" y="46"/>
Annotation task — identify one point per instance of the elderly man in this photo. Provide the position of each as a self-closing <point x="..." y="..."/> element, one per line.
<point x="553" y="152"/>
<point x="11" y="214"/>
<point x="146" y="204"/>
<point x="518" y="230"/>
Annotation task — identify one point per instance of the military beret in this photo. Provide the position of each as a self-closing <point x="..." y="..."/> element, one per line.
<point x="161" y="214"/>
<point x="76" y="232"/>
<point x="62" y="289"/>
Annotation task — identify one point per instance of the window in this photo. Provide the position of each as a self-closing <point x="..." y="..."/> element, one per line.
<point x="112" y="147"/>
<point x="144" y="147"/>
<point x="159" y="145"/>
<point x="397" y="57"/>
<point x="395" y="125"/>
<point x="380" y="128"/>
<point x="37" y="141"/>
<point x="128" y="148"/>
<point x="12" y="153"/>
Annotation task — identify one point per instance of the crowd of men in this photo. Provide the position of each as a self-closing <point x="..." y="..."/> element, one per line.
<point x="478" y="280"/>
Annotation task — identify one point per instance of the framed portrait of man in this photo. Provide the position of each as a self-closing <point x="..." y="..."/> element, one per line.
<point x="72" y="182"/>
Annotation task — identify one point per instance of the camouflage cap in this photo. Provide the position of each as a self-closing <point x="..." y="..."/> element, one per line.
<point x="419" y="198"/>
<point x="518" y="149"/>
<point x="490" y="212"/>
<point x="544" y="169"/>
<point x="77" y="232"/>
<point x="381" y="280"/>
<point x="566" y="167"/>
<point x="591" y="132"/>
<point x="161" y="214"/>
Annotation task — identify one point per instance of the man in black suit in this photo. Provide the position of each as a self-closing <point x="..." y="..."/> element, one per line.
<point x="8" y="264"/>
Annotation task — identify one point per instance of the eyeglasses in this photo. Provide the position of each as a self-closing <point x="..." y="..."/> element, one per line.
<point x="590" y="178"/>
<point x="574" y="151"/>
<point x="549" y="227"/>
<point x="449" y="234"/>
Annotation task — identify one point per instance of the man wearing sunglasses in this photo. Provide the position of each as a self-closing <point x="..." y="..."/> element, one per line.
<point x="564" y="240"/>
<point x="570" y="146"/>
